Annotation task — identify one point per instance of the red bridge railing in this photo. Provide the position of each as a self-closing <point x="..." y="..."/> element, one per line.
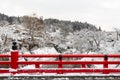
<point x="14" y="63"/>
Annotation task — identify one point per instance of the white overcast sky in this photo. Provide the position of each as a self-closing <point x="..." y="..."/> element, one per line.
<point x="104" y="13"/>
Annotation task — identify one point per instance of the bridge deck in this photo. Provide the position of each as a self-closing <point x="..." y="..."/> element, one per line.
<point x="61" y="77"/>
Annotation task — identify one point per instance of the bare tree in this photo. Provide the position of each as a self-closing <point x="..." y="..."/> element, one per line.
<point x="35" y="28"/>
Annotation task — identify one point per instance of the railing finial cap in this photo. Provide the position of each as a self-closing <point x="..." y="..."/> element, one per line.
<point x="14" y="47"/>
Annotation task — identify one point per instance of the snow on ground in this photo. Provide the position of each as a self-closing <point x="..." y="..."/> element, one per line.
<point x="58" y="75"/>
<point x="46" y="50"/>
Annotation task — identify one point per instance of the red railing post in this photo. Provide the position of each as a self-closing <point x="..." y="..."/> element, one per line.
<point x="105" y="64"/>
<point x="14" y="60"/>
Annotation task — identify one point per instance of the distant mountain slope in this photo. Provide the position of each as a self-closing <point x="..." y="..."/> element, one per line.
<point x="53" y="23"/>
<point x="10" y="19"/>
<point x="68" y="25"/>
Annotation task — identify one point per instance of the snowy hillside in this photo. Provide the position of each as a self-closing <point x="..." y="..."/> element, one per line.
<point x="99" y="38"/>
<point x="63" y="40"/>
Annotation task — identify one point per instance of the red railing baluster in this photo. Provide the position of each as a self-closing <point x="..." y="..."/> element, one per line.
<point x="60" y="61"/>
<point x="60" y="64"/>
<point x="83" y="65"/>
<point x="106" y="61"/>
<point x="105" y="64"/>
<point x="37" y="66"/>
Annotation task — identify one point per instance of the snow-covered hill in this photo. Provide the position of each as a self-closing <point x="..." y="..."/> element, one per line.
<point x="82" y="41"/>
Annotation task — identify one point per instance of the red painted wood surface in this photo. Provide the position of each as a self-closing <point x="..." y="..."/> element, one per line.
<point x="14" y="62"/>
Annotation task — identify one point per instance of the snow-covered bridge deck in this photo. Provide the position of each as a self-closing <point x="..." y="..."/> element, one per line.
<point x="60" y="76"/>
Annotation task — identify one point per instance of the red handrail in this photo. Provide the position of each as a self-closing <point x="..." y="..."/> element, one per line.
<point x="14" y="62"/>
